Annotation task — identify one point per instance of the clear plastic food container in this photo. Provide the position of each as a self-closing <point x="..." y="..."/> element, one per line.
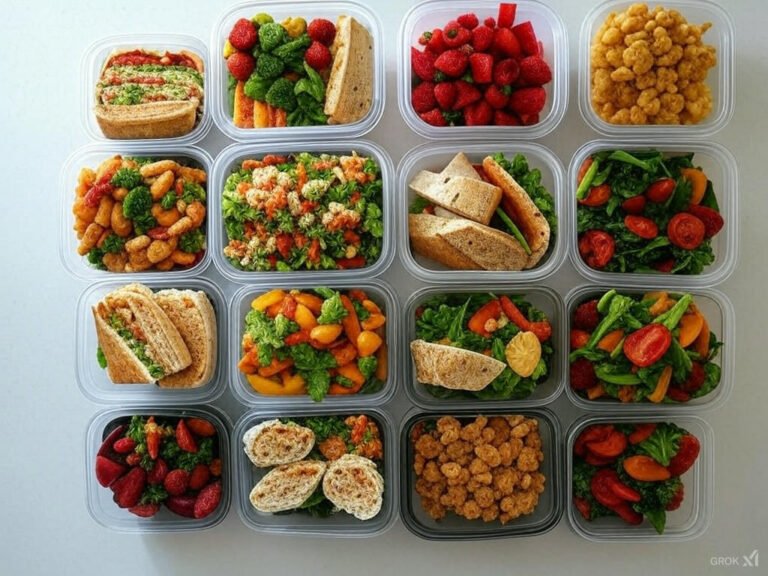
<point x="720" y="315"/>
<point x="96" y="56"/>
<point x="378" y="291"/>
<point x="338" y="525"/>
<point x="718" y="164"/>
<point x="435" y="157"/>
<point x="91" y="156"/>
<point x="545" y="517"/>
<point x="231" y="157"/>
<point x="308" y="10"/>
<point x="549" y="389"/>
<point x="93" y="380"/>
<point x="99" y="499"/>
<point x="719" y="78"/>
<point x="550" y="31"/>
<point x="693" y="517"/>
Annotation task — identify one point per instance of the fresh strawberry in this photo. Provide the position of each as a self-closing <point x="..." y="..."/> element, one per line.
<point x="124" y="445"/>
<point x="677" y="499"/>
<point x="490" y="22"/>
<point x="243" y="35"/>
<point x="201" y="427"/>
<point x="107" y="471"/>
<point x="208" y="499"/>
<point x="184" y="438"/>
<point x="199" y="477"/>
<point x="434" y="117"/>
<point x="423" y="64"/>
<point x="466" y="94"/>
<point x="482" y="67"/>
<point x="133" y="459"/>
<point x="240" y="65"/>
<point x="424" y="38"/>
<point x="534" y="71"/>
<point x="468" y="21"/>
<point x="505" y="72"/>
<point x="478" y="114"/>
<point x="502" y="118"/>
<point x="529" y="119"/>
<point x="153" y="432"/>
<point x="507" y="14"/>
<point x="436" y="44"/>
<point x="215" y="467"/>
<point x="318" y="56"/>
<point x="505" y="42"/>
<point x="128" y="488"/>
<point x="445" y="94"/>
<point x="182" y="505"/>
<point x="452" y="63"/>
<point x="158" y="472"/>
<point x="322" y="30"/>
<point x="527" y="101"/>
<point x="144" y="510"/>
<point x="526" y="37"/>
<point x="496" y="97"/>
<point x="541" y="48"/>
<point x="106" y="448"/>
<point x="455" y="35"/>
<point x="482" y="38"/>
<point x="423" y="97"/>
<point x="176" y="482"/>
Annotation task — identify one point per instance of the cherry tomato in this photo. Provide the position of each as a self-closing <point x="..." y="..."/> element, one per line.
<point x="686" y="231"/>
<point x="600" y="486"/>
<point x="695" y="379"/>
<point x="597" y="196"/>
<point x="596" y="248"/>
<point x="678" y="395"/>
<point x="641" y="226"/>
<point x="583" y="169"/>
<point x="622" y="490"/>
<point x="583" y="506"/>
<point x="661" y="190"/>
<point x="610" y="447"/>
<point x="627" y="513"/>
<point x="713" y="222"/>
<point x="593" y="433"/>
<point x="687" y="452"/>
<point x="647" y="345"/>
<point x="594" y="460"/>
<point x="579" y="338"/>
<point x="634" y="205"/>
<point x="582" y="374"/>
<point x="665" y="266"/>
<point x="641" y="432"/>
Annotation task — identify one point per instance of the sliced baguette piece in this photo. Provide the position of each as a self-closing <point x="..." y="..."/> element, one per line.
<point x="123" y="367"/>
<point x="353" y="484"/>
<point x="272" y="443"/>
<point x="424" y="232"/>
<point x="469" y="197"/>
<point x="287" y="486"/>
<point x="167" y="119"/>
<point x="490" y="248"/>
<point x="453" y="368"/>
<point x="349" y="93"/>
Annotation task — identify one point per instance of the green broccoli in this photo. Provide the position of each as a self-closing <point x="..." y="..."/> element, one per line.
<point x="126" y="178"/>
<point x="192" y="242"/>
<point x="193" y="192"/>
<point x="137" y="203"/>
<point x="256" y="88"/>
<point x="271" y="35"/>
<point x="169" y="200"/>
<point x="95" y="256"/>
<point x="281" y="95"/>
<point x="267" y="66"/>
<point x="262" y="18"/>
<point x="113" y="244"/>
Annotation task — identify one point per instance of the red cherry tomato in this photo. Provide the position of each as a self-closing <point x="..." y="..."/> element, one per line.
<point x="627" y="513"/>
<point x="713" y="222"/>
<point x="687" y="452"/>
<point x="596" y="248"/>
<point x="686" y="231"/>
<point x="641" y="432"/>
<point x="597" y="196"/>
<point x="641" y="226"/>
<point x="678" y="394"/>
<point x="661" y="190"/>
<point x="634" y="205"/>
<point x="611" y="447"/>
<point x="593" y="433"/>
<point x="665" y="266"/>
<point x="647" y="345"/>
<point x="622" y="490"/>
<point x="600" y="486"/>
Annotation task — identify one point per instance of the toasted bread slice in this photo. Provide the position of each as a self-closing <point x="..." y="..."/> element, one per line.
<point x="492" y="249"/>
<point x="469" y="197"/>
<point x="349" y="93"/>
<point x="192" y="314"/>
<point x="150" y="120"/>
<point x="287" y="486"/>
<point x="273" y="442"/>
<point x="123" y="367"/>
<point x="460" y="165"/>
<point x="354" y="484"/>
<point x="424" y="232"/>
<point x="454" y="368"/>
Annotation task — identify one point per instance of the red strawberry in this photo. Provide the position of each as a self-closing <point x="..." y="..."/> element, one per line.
<point x="128" y="488"/>
<point x="478" y="114"/>
<point x="124" y="445"/>
<point x="507" y="14"/>
<point x="466" y="94"/>
<point x="240" y="65"/>
<point x="482" y="67"/>
<point x="434" y="117"/>
<point x="184" y="438"/>
<point x="445" y="94"/>
<point x="176" y="482"/>
<point x="199" y="477"/>
<point x="501" y="118"/>
<point x="528" y="101"/>
<point x="208" y="499"/>
<point x="318" y="56"/>
<point x="423" y="64"/>
<point x="201" y="427"/>
<point x="534" y="71"/>
<point x="158" y="473"/>
<point x="468" y="21"/>
<point x="526" y="37"/>
<point x="322" y="30"/>
<point x="423" y="97"/>
<point x="455" y="35"/>
<point x="505" y="72"/>
<point x="496" y="96"/>
<point x="182" y="505"/>
<point x="482" y="38"/>
<point x="529" y="119"/>
<point x="106" y="446"/>
<point x="505" y="42"/>
<point x="243" y="35"/>
<point x="424" y="38"/>
<point x="452" y="63"/>
<point x="107" y="471"/>
<point x="436" y="43"/>
<point x="677" y="499"/>
<point x="144" y="510"/>
<point x="490" y="22"/>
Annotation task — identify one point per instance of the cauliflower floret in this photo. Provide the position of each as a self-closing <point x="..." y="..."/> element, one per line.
<point x="307" y="220"/>
<point x="264" y="175"/>
<point x="315" y="189"/>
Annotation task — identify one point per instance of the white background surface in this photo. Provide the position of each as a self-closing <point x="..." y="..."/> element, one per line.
<point x="44" y="525"/>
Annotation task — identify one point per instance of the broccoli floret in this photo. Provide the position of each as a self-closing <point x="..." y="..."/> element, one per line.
<point x="256" y="88"/>
<point x="192" y="242"/>
<point x="281" y="95"/>
<point x="267" y="66"/>
<point x="137" y="203"/>
<point x="193" y="192"/>
<point x="95" y="256"/>
<point x="113" y="244"/>
<point x="271" y="35"/>
<point x="126" y="178"/>
<point x="169" y="200"/>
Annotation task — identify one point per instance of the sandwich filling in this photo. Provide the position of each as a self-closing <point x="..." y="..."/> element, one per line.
<point x="124" y="323"/>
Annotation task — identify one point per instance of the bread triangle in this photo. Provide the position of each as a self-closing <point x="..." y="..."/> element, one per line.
<point x="490" y="248"/>
<point x="469" y="197"/>
<point x="452" y="367"/>
<point x="123" y="367"/>
<point x="424" y="233"/>
<point x="349" y="93"/>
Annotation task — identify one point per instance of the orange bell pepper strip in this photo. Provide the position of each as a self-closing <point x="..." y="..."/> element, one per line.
<point x="609" y="342"/>
<point x="344" y="354"/>
<point x="645" y="469"/>
<point x="275" y="367"/>
<point x="350" y="322"/>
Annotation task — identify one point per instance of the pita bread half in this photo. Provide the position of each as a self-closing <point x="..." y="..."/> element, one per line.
<point x="452" y="367"/>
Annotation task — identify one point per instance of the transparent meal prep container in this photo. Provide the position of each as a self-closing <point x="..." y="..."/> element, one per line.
<point x="340" y="524"/>
<point x="99" y="500"/>
<point x="94" y="382"/>
<point x="719" y="79"/>
<point x="549" y="388"/>
<point x="434" y="158"/>
<point x="377" y="290"/>
<point x="550" y="31"/>
<point x="231" y="157"/>
<point x="693" y="517"/>
<point x="720" y="316"/>
<point x="91" y="156"/>
<point x="330" y="10"/>
<point x="93" y="63"/>
<point x="545" y="517"/>
<point x="718" y="164"/>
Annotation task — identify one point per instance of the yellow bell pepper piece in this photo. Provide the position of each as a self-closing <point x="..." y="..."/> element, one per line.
<point x="265" y="386"/>
<point x="268" y="299"/>
<point x="662" y="385"/>
<point x="228" y="49"/>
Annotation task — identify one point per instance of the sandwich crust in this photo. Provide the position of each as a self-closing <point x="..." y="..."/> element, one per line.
<point x="150" y="120"/>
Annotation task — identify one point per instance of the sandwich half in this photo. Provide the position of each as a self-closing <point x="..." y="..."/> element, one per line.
<point x="287" y="486"/>
<point x="452" y="367"/>
<point x="353" y="484"/>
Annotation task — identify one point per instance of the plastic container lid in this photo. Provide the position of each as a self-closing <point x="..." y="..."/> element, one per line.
<point x="551" y="32"/>
<point x="93" y="380"/>
<point x="693" y="517"/>
<point x="99" y="499"/>
<point x="91" y="156"/>
<point x="720" y="167"/>
<point x="378" y="291"/>
<point x="231" y="157"/>
<point x="307" y="10"/>
<point x="435" y="157"/>
<point x="718" y="311"/>
<point x="719" y="79"/>
<point x="340" y="524"/>
<point x="96" y="56"/>
<point x="545" y="517"/>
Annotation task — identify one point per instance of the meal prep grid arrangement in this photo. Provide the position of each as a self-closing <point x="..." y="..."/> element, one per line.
<point x="303" y="219"/>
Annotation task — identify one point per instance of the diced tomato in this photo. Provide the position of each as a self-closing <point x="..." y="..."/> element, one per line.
<point x="288" y="308"/>
<point x="347" y="263"/>
<point x="351" y="237"/>
<point x="296" y="338"/>
<point x="284" y="244"/>
<point x="272" y="259"/>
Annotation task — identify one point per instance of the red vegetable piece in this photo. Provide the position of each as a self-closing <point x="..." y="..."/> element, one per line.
<point x="713" y="221"/>
<point x="640" y="226"/>
<point x="641" y="432"/>
<point x="687" y="452"/>
<point x="623" y="491"/>
<point x="661" y="190"/>
<point x="600" y="486"/>
<point x="634" y="205"/>
<point x="583" y="506"/>
<point x="610" y="447"/>
<point x="596" y="248"/>
<point x="593" y="433"/>
<point x="627" y="513"/>
<point x="686" y="231"/>
<point x="647" y="345"/>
